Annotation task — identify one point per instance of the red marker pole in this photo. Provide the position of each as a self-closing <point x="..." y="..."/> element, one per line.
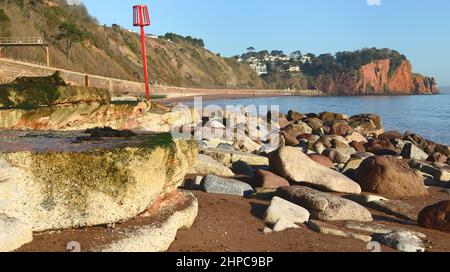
<point x="144" y="60"/>
<point x="141" y="18"/>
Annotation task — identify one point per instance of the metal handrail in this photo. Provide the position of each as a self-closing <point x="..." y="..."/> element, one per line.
<point x="21" y="40"/>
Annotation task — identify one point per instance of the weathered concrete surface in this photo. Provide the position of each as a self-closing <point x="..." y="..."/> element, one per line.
<point x="70" y="189"/>
<point x="96" y="114"/>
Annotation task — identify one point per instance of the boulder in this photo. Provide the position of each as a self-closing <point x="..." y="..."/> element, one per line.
<point x="323" y="160"/>
<point x="381" y="148"/>
<point x="227" y="157"/>
<point x="438" y="173"/>
<point x="268" y="180"/>
<point x="13" y="233"/>
<point x="390" y="135"/>
<point x="293" y="164"/>
<point x="367" y="124"/>
<point x="283" y="224"/>
<point x="362" y="155"/>
<point x="245" y="144"/>
<point x="324" y="206"/>
<point x="302" y="128"/>
<point x="358" y="146"/>
<point x="331" y="116"/>
<point x="396" y="208"/>
<point x="242" y="168"/>
<point x="218" y="185"/>
<point x="436" y="217"/>
<point x="295" y="116"/>
<point x="208" y="166"/>
<point x="378" y="228"/>
<point x="410" y="151"/>
<point x="388" y="176"/>
<point x="283" y="122"/>
<point x="179" y="213"/>
<point x="65" y="189"/>
<point x="328" y="229"/>
<point x="340" y="128"/>
<point x="405" y="241"/>
<point x="289" y="139"/>
<point x="337" y="156"/>
<point x="280" y="208"/>
<point x="355" y="137"/>
<point x="314" y="123"/>
<point x="438" y="158"/>
<point x="351" y="166"/>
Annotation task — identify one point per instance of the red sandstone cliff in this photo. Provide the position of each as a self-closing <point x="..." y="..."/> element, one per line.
<point x="377" y="78"/>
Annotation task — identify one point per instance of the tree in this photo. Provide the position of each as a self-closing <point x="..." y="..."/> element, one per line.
<point x="4" y="23"/>
<point x="251" y="49"/>
<point x="71" y="34"/>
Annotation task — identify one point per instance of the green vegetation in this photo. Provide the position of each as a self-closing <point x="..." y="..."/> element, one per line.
<point x="4" y="23"/>
<point x="344" y="62"/>
<point x="157" y="140"/>
<point x="189" y="39"/>
<point x="30" y="96"/>
<point x="70" y="34"/>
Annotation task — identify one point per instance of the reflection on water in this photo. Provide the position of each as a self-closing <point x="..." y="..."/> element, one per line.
<point x="426" y="115"/>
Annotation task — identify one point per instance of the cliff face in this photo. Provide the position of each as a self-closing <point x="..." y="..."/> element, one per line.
<point x="378" y="78"/>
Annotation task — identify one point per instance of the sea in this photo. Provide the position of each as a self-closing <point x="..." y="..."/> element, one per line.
<point x="427" y="115"/>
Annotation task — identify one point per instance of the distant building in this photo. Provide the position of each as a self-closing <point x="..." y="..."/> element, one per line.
<point x="305" y="59"/>
<point x="294" y="69"/>
<point x="151" y="36"/>
<point x="259" y="68"/>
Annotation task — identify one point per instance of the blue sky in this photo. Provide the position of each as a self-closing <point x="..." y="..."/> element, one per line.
<point x="418" y="28"/>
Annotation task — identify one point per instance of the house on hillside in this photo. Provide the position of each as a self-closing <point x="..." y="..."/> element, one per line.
<point x="259" y="68"/>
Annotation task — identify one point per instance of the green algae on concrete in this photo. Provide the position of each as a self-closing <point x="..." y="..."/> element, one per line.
<point x="36" y="95"/>
<point x="60" y="190"/>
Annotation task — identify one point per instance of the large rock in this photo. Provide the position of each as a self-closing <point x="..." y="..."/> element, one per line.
<point x="69" y="189"/>
<point x="245" y="144"/>
<point x="32" y="95"/>
<point x="340" y="128"/>
<point x="436" y="216"/>
<point x="401" y="240"/>
<point x="227" y="157"/>
<point x="355" y="137"/>
<point x="208" y="166"/>
<point x="323" y="206"/>
<point x="218" y="185"/>
<point x="328" y="229"/>
<point x="13" y="233"/>
<point x="438" y="173"/>
<point x="367" y="124"/>
<point x="410" y="151"/>
<point x="322" y="160"/>
<point x="280" y="208"/>
<point x="388" y="176"/>
<point x="292" y="163"/>
<point x="268" y="180"/>
<point x="396" y="208"/>
<point x="156" y="237"/>
<point x="337" y="156"/>
<point x="302" y="128"/>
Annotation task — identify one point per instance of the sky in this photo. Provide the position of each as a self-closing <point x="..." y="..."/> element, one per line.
<point x="420" y="29"/>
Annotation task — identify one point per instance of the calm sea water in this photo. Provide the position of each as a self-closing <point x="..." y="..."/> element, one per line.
<point x="425" y="115"/>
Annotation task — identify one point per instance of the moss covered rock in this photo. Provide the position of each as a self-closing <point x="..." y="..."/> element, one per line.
<point x="38" y="95"/>
<point x="61" y="190"/>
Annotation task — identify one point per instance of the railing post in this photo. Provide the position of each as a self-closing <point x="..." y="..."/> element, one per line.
<point x="86" y="80"/>
<point x="47" y="52"/>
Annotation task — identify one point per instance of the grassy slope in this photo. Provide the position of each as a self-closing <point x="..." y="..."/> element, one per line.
<point x="115" y="52"/>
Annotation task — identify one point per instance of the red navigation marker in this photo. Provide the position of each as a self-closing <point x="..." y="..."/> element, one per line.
<point x="141" y="18"/>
